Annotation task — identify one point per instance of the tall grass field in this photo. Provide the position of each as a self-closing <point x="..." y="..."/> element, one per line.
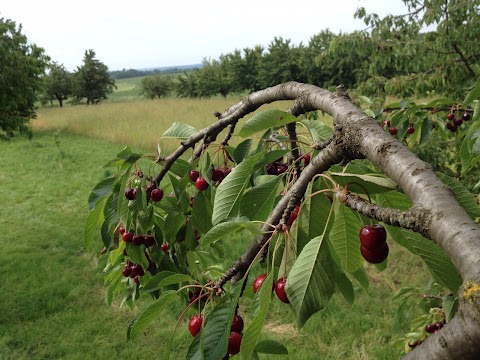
<point x="52" y="289"/>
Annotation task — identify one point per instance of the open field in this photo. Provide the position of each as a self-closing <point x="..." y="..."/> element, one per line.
<point x="52" y="289"/>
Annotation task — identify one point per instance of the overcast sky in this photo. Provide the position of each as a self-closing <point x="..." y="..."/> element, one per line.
<point x="155" y="33"/>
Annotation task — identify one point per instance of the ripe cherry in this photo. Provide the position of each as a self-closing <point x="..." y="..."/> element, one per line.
<point x="149" y="240"/>
<point x="237" y="324"/>
<point x="393" y="131"/>
<point x="258" y="281"/>
<point x="127" y="236"/>
<point x="431" y="328"/>
<point x="201" y="184"/>
<point x="217" y="174"/>
<point x="272" y="169"/>
<point x="453" y="128"/>
<point x="451" y="116"/>
<point x="148" y="190"/>
<point x="306" y="159"/>
<point x="164" y="247"/>
<point x="282" y="168"/>
<point x="375" y="256"/>
<point x="234" y="343"/>
<point x="126" y="270"/>
<point x="137" y="270"/>
<point x="157" y="195"/>
<point x="130" y="193"/>
<point x="458" y="122"/>
<point x="466" y="116"/>
<point x="410" y="130"/>
<point x="195" y="324"/>
<point x="280" y="290"/>
<point x="293" y="215"/>
<point x="138" y="240"/>
<point x="194" y="174"/>
<point x="373" y="236"/>
<point x="121" y="230"/>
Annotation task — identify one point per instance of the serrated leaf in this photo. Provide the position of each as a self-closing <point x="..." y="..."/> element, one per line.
<point x="462" y="195"/>
<point x="362" y="277"/>
<point x="230" y="190"/>
<point x="180" y="167"/>
<point x="152" y="312"/>
<point x="374" y="183"/>
<point x="344" y="237"/>
<point x="472" y="95"/>
<point x="110" y="210"/>
<point x="94" y="220"/>
<point x="242" y="150"/>
<point x="271" y="347"/>
<point x="158" y="282"/>
<point x="211" y="343"/>
<point x="137" y="255"/>
<point x="266" y="120"/>
<point x="227" y="229"/>
<point x="179" y="130"/>
<point x="309" y="283"/>
<point x="449" y="305"/>
<point x="102" y="189"/>
<point x="319" y="130"/>
<point x="258" y="201"/>
<point x="439" y="265"/>
<point x="202" y="213"/>
<point x="261" y="303"/>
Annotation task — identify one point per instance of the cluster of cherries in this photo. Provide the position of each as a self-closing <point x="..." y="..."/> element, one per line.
<point x="373" y="243"/>
<point x="454" y="123"/>
<point x="218" y="174"/>
<point x="393" y="130"/>
<point x="235" y="338"/>
<point x="430" y="329"/>
<point x="278" y="286"/>
<point x="153" y="193"/>
<point x="278" y="167"/>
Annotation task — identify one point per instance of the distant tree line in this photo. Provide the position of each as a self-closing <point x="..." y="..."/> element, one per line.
<point x="131" y="73"/>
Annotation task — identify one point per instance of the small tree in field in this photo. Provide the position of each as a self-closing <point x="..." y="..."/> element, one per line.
<point x="58" y="83"/>
<point x="91" y="80"/>
<point x="308" y="196"/>
<point x="21" y="68"/>
<point x="156" y="86"/>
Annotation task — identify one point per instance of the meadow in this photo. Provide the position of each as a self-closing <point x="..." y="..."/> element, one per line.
<point x="52" y="289"/>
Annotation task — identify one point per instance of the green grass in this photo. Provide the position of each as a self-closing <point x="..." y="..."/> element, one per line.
<point x="52" y="292"/>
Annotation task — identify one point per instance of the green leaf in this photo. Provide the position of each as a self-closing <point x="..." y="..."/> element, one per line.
<point x="266" y="120"/>
<point x="271" y="347"/>
<point x="310" y="281"/>
<point x="472" y="95"/>
<point x="257" y="202"/>
<point x="180" y="167"/>
<point x="152" y="312"/>
<point x="242" y="150"/>
<point x="102" y="189"/>
<point x="202" y="213"/>
<point x="439" y="265"/>
<point x="94" y="220"/>
<point x="110" y="210"/>
<point x="374" y="183"/>
<point x="462" y="195"/>
<point x="449" y="305"/>
<point x="137" y="255"/>
<point x="261" y="303"/>
<point x="162" y="279"/>
<point x="319" y="130"/>
<point x="212" y="342"/>
<point x="179" y="130"/>
<point x="230" y="190"/>
<point x="226" y="230"/>
<point x="344" y="237"/>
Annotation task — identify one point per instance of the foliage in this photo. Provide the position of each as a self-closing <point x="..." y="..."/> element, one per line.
<point x="319" y="250"/>
<point x="156" y="86"/>
<point x="21" y="68"/>
<point x="412" y="61"/>
<point x="57" y="83"/>
<point x="91" y="80"/>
